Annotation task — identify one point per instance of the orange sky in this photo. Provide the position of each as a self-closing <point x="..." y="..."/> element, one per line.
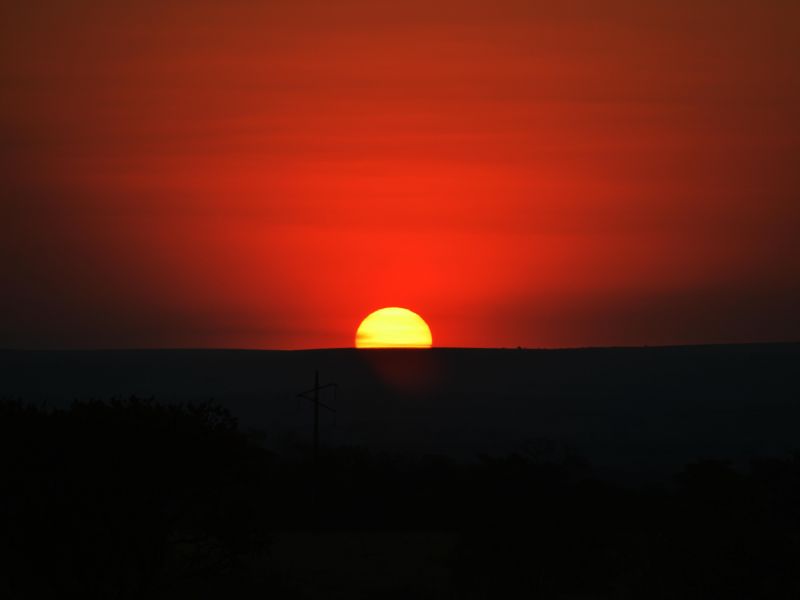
<point x="264" y="174"/>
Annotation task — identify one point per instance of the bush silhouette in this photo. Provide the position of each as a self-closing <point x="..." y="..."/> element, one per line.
<point x="135" y="499"/>
<point x="103" y="498"/>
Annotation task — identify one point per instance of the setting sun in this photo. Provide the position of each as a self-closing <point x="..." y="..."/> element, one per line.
<point x="393" y="327"/>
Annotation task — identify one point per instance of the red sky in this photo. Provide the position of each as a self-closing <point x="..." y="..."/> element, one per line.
<point x="264" y="174"/>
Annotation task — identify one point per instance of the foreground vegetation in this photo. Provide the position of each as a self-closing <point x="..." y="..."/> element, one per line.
<point x="136" y="499"/>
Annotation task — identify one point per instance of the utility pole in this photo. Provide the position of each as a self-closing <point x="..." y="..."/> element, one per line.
<point x="313" y="396"/>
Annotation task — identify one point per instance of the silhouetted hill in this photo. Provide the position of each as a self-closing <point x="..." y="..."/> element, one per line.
<point x="640" y="411"/>
<point x="139" y="499"/>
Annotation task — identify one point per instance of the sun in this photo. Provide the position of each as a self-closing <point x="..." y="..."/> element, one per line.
<point x="393" y="327"/>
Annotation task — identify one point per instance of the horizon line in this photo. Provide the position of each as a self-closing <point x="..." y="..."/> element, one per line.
<point x="412" y="349"/>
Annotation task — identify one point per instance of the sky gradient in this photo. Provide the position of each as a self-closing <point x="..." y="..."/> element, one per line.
<point x="265" y="174"/>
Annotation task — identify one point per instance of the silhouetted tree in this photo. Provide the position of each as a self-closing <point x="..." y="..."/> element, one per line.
<point x="101" y="499"/>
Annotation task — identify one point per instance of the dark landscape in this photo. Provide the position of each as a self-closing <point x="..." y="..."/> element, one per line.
<point x="399" y="300"/>
<point x="447" y="473"/>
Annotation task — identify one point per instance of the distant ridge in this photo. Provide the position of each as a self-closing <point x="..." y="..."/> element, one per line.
<point x="435" y="348"/>
<point x="636" y="410"/>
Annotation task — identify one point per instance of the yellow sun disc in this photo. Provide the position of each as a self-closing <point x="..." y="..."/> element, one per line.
<point x="393" y="327"/>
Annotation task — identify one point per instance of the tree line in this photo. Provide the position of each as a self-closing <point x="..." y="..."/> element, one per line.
<point x="140" y="499"/>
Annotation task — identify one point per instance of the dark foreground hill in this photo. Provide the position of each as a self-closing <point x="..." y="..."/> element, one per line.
<point x="479" y="474"/>
<point x="137" y="499"/>
<point x="639" y="412"/>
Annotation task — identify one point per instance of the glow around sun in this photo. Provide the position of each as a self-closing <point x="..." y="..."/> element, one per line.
<point x="393" y="327"/>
